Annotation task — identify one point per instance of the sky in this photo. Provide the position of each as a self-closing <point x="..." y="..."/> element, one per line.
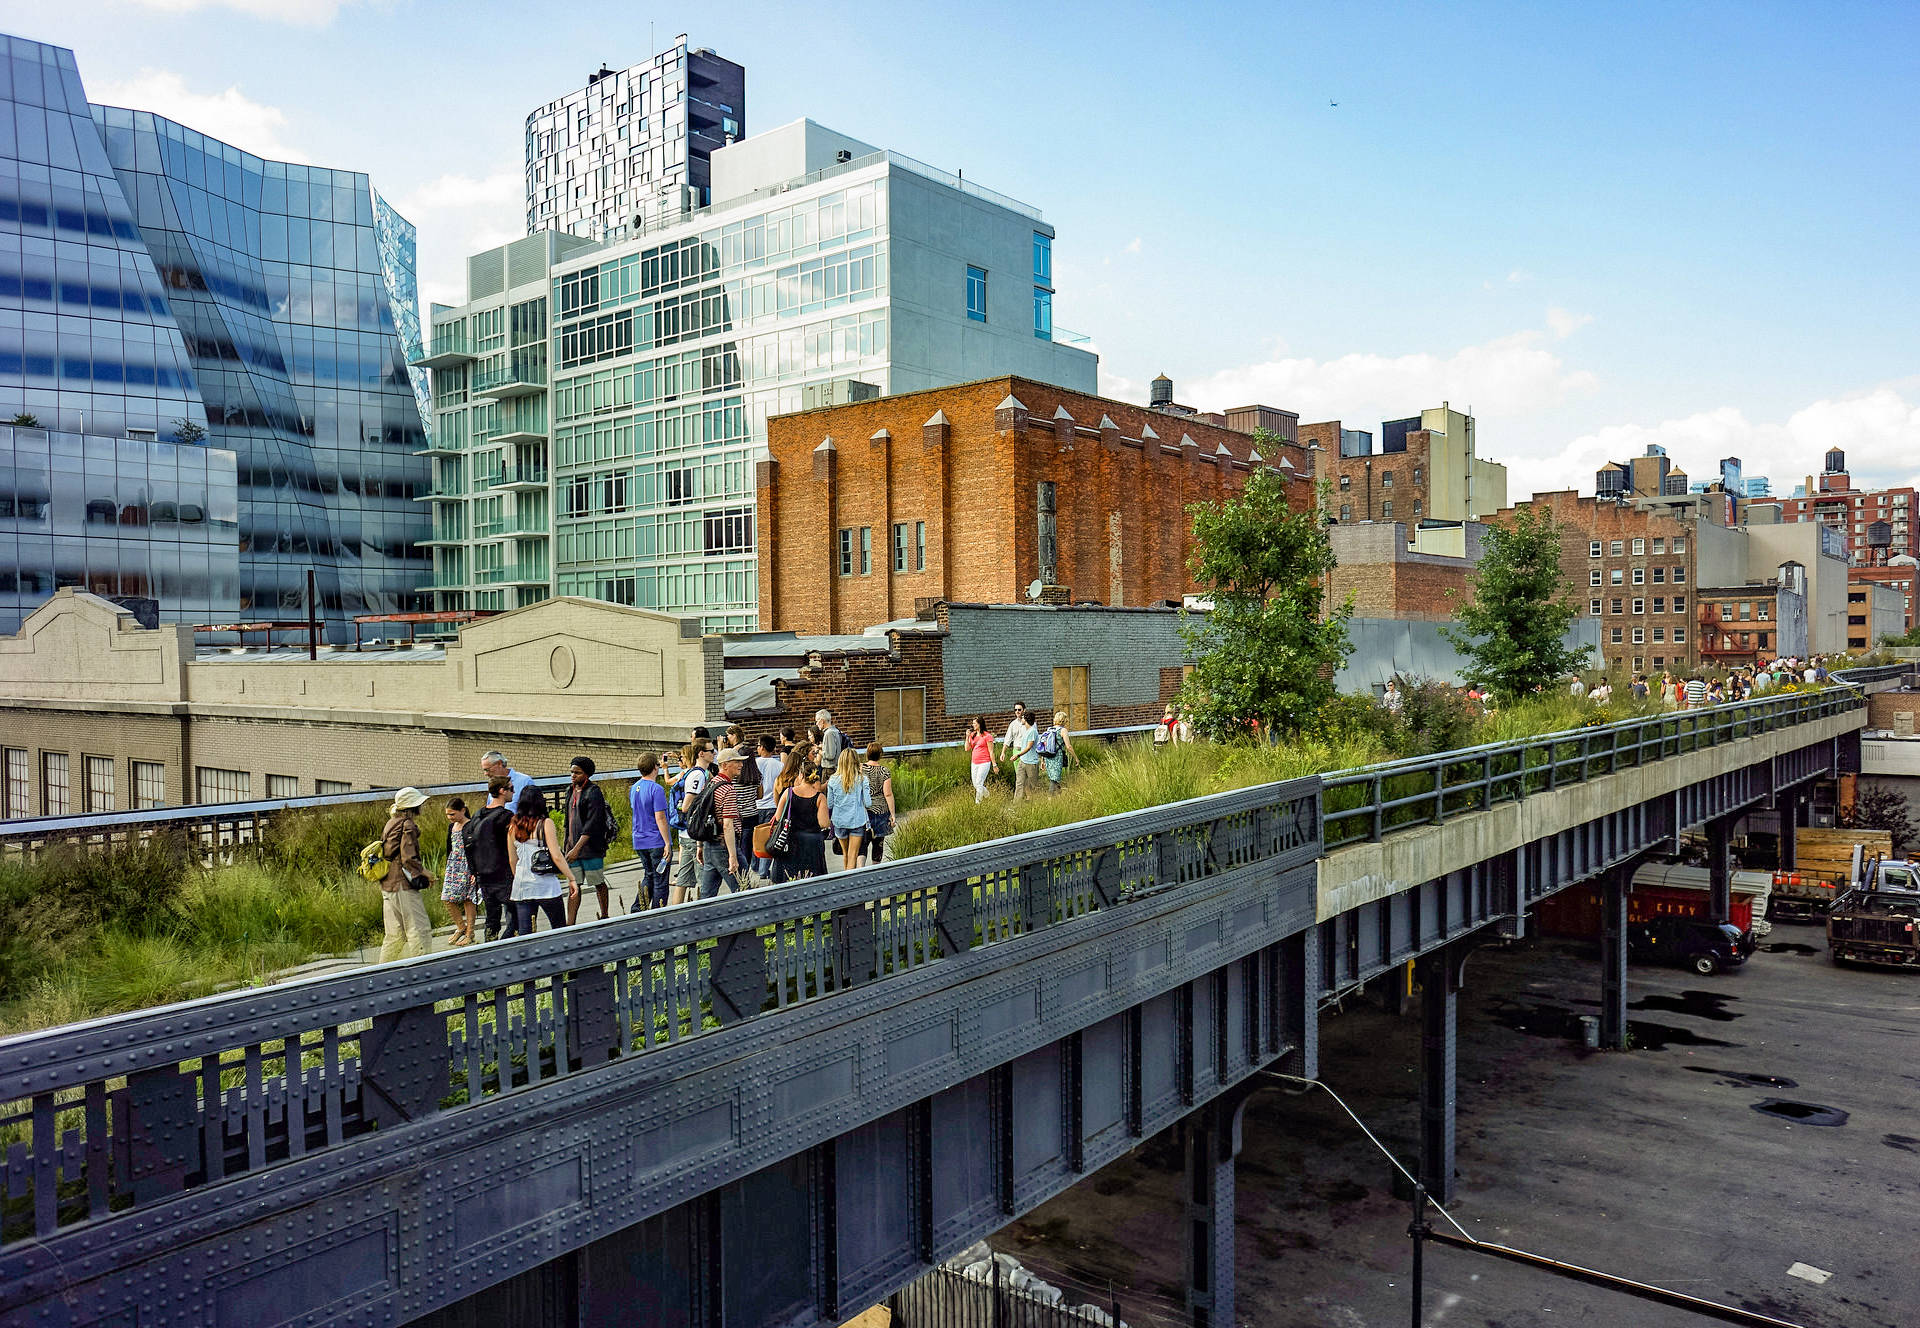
<point x="1598" y="227"/>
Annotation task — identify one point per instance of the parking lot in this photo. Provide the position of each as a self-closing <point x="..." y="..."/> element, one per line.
<point x="1659" y="1164"/>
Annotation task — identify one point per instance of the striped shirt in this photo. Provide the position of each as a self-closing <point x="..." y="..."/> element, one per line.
<point x="1696" y="692"/>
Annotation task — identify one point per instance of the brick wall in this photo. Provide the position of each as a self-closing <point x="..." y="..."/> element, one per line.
<point x="1385" y="579"/>
<point x="1380" y="487"/>
<point x="125" y="738"/>
<point x="953" y="459"/>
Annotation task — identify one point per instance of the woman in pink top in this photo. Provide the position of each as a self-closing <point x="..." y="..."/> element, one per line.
<point x="979" y="744"/>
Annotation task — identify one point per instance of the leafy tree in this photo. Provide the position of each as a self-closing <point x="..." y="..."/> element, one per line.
<point x="25" y="420"/>
<point x="186" y="431"/>
<point x="1268" y="650"/>
<point x="1514" y="631"/>
<point x="1882" y="808"/>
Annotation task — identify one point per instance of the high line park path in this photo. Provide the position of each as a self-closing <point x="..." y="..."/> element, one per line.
<point x="777" y="1107"/>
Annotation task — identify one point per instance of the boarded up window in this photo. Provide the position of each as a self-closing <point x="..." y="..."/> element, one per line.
<point x="1070" y="695"/>
<point x="900" y="716"/>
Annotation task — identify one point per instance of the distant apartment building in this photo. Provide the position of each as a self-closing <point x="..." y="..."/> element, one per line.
<point x="633" y="144"/>
<point x="1652" y="475"/>
<point x="1245" y="419"/>
<point x="214" y="347"/>
<point x="1428" y="468"/>
<point x="1002" y="491"/>
<point x="599" y="408"/>
<point x="1876" y="524"/>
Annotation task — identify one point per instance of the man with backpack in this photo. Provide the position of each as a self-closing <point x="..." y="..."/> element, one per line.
<point x="588" y="829"/>
<point x="681" y="797"/>
<point x="489" y="858"/>
<point x="713" y="822"/>
<point x="832" y="740"/>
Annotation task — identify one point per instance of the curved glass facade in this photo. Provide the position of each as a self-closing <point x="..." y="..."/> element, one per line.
<point x="276" y="276"/>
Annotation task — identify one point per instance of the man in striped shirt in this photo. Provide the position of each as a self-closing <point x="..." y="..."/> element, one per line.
<point x="720" y="862"/>
<point x="1696" y="692"/>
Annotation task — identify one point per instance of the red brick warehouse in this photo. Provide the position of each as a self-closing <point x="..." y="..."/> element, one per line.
<point x="867" y="509"/>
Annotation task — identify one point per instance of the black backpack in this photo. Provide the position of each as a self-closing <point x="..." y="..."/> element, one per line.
<point x="702" y="821"/>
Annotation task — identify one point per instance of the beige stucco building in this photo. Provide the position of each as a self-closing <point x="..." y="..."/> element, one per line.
<point x="100" y="714"/>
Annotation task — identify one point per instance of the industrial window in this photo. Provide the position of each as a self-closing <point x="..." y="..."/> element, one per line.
<point x="1659" y="635"/>
<point x="1593" y="549"/>
<point x="730" y="531"/>
<point x="19" y="791"/>
<point x="1386" y="479"/>
<point x="1679" y="603"/>
<point x="1639" y="547"/>
<point x="901" y="554"/>
<point x="919" y="546"/>
<point x="1593" y="607"/>
<point x="1639" y="636"/>
<point x="1679" y="575"/>
<point x="1617" y="605"/>
<point x="866" y="550"/>
<point x="330" y="788"/>
<point x="283" y="786"/>
<point x="1679" y="635"/>
<point x="1660" y="544"/>
<point x="215" y="785"/>
<point x="1616" y="548"/>
<point x="1679" y="544"/>
<point x="1639" y="576"/>
<point x="1070" y="695"/>
<point x="56" y="784"/>
<point x="1639" y="606"/>
<point x="149" y="785"/>
<point x="1615" y="636"/>
<point x="100" y="784"/>
<point x="1659" y="603"/>
<point x="976" y="293"/>
<point x="1386" y="510"/>
<point x="846" y="551"/>
<point x="1659" y="576"/>
<point x="899" y="716"/>
<point x="1049" y="531"/>
<point x="1659" y="661"/>
<point x="1616" y="576"/>
<point x="1593" y="577"/>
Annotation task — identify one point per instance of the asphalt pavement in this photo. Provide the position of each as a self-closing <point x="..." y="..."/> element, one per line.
<point x="1698" y="1161"/>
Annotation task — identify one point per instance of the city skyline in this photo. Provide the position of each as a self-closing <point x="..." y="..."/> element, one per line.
<point x="1595" y="235"/>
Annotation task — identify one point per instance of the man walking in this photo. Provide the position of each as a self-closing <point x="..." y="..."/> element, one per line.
<point x="686" y="870"/>
<point x="588" y="830"/>
<point x="651" y="835"/>
<point x="494" y="766"/>
<point x="832" y="740"/>
<point x="489" y="858"/>
<point x="1021" y="743"/>
<point x="720" y="859"/>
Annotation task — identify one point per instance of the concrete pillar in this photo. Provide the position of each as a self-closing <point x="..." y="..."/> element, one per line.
<point x="1439" y="1003"/>
<point x="1613" y="958"/>
<point x="1213" y="1141"/>
<point x="1719" y="869"/>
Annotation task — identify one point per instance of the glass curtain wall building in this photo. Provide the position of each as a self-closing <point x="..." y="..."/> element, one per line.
<point x="95" y="491"/>
<point x="290" y="284"/>
<point x="599" y="409"/>
<point x="632" y="142"/>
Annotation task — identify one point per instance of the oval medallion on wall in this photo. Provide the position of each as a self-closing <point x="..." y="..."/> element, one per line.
<point x="560" y="665"/>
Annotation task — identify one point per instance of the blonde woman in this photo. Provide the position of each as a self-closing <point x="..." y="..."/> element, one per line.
<point x="1056" y="749"/>
<point x="849" y="804"/>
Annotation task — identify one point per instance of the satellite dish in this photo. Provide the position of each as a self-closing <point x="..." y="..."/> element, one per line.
<point x="1033" y="591"/>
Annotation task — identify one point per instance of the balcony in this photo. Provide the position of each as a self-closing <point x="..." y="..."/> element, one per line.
<point x="447" y="350"/>
<point x="513" y="527"/>
<point x="514" y="574"/>
<point x="521" y="376"/>
<point x="520" y="435"/>
<point x="441" y="536"/>
<point x="521" y="479"/>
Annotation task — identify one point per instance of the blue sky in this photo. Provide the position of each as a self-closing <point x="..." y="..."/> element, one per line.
<point x="1598" y="226"/>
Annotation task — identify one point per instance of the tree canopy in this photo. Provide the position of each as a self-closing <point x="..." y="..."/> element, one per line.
<point x="1267" y="651"/>
<point x="1514" y="632"/>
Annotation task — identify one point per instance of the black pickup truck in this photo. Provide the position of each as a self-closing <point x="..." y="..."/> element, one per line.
<point x="1875" y="927"/>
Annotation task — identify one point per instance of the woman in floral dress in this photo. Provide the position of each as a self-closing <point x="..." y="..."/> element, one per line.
<point x="458" y="891"/>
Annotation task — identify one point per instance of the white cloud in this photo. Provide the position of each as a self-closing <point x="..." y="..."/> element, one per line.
<point x="1132" y="246"/>
<point x="229" y="115"/>
<point x="1564" y="324"/>
<point x="1878" y="428"/>
<point x="299" y="13"/>
<point x="1508" y="376"/>
<point x="458" y="215"/>
<point x="1517" y="276"/>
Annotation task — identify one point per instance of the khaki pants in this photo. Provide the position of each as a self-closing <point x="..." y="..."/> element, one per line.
<point x="408" y="932"/>
<point x="1026" y="779"/>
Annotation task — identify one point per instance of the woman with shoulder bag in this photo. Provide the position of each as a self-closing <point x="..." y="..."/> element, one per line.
<point x="807" y="805"/>
<point x="848" y="807"/>
<point x="883" y="814"/>
<point x="542" y="880"/>
<point x="776" y="846"/>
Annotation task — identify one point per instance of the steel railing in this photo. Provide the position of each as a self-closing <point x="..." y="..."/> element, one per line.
<point x="1374" y="801"/>
<point x="124" y="1112"/>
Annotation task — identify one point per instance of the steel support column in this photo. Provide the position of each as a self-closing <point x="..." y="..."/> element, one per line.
<point x="1439" y="974"/>
<point x="1790" y="809"/>
<point x="1213" y="1141"/>
<point x="1719" y="869"/>
<point x="1613" y="957"/>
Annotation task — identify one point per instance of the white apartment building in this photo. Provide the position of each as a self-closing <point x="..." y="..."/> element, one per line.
<point x="599" y="407"/>
<point x="633" y="143"/>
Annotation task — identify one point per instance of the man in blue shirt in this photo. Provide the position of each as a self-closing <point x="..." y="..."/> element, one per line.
<point x="494" y="766"/>
<point x="650" y="835"/>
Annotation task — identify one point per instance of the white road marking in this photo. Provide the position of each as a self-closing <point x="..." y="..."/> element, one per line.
<point x="1808" y="1273"/>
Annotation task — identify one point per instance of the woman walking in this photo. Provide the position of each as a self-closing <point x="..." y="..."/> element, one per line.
<point x="979" y="745"/>
<point x="457" y="888"/>
<point x="1056" y="748"/>
<point x="807" y="798"/>
<point x="880" y="820"/>
<point x="542" y="880"/>
<point x="848" y="807"/>
<point x="403" y="910"/>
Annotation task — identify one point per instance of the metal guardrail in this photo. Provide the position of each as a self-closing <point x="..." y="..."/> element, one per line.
<point x="1374" y="801"/>
<point x="123" y="1113"/>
